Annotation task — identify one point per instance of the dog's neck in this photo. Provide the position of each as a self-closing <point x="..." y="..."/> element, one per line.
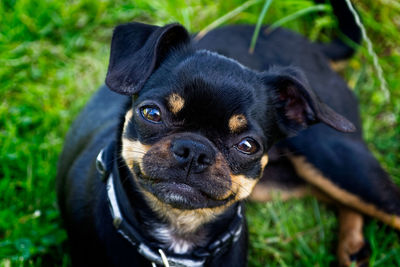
<point x="177" y="242"/>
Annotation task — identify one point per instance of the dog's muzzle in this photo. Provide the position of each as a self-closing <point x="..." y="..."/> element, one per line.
<point x="108" y="170"/>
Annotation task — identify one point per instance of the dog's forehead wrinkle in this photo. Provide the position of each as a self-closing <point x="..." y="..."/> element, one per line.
<point x="212" y="64"/>
<point x="207" y="101"/>
<point x="215" y="54"/>
<point x="206" y="56"/>
<point x="209" y="83"/>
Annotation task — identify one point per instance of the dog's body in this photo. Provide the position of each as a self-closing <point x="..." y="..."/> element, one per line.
<point x="159" y="165"/>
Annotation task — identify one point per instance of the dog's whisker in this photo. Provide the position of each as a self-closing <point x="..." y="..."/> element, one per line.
<point x="135" y="151"/>
<point x="241" y="186"/>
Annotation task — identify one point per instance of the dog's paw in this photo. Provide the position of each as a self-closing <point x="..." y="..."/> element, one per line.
<point x="354" y="251"/>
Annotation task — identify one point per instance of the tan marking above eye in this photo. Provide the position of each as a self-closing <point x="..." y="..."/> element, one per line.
<point x="175" y="103"/>
<point x="237" y="122"/>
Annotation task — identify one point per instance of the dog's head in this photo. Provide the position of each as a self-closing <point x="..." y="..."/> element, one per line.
<point x="200" y="126"/>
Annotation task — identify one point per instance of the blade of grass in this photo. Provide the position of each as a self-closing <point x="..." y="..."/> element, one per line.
<point x="225" y="18"/>
<point x="391" y="3"/>
<point x="298" y="14"/>
<point x="258" y="25"/>
<point x="371" y="51"/>
<point x="317" y="215"/>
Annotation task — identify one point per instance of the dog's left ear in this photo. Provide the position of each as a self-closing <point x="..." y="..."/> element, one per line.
<point x="137" y="50"/>
<point x="296" y="104"/>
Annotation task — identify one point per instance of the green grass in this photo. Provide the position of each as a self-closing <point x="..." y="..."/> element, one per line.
<point x="53" y="56"/>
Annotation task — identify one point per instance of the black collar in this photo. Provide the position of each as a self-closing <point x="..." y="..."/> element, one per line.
<point x="108" y="169"/>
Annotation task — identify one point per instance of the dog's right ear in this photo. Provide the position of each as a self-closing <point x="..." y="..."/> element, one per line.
<point x="137" y="50"/>
<point x="296" y="105"/>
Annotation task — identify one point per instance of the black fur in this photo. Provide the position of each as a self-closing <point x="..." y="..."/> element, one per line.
<point x="285" y="86"/>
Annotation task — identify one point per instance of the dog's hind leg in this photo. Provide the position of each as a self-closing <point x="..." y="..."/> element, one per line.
<point x="346" y="171"/>
<point x="281" y="181"/>
<point x="352" y="247"/>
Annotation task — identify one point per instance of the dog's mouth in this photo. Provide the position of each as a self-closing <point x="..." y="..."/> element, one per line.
<point x="178" y="194"/>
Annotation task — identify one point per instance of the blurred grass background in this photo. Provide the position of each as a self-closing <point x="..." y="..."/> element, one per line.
<point x="53" y="56"/>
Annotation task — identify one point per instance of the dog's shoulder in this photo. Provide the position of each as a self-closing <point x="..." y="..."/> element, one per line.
<point x="98" y="115"/>
<point x="93" y="129"/>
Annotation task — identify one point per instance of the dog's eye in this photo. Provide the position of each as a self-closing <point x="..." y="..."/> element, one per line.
<point x="248" y="146"/>
<point x="152" y="114"/>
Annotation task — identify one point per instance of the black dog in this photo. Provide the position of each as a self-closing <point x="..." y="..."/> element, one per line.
<point x="157" y="176"/>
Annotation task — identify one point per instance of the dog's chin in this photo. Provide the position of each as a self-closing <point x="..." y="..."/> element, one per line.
<point x="179" y="195"/>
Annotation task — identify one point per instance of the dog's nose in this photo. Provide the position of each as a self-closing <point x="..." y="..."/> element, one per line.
<point x="196" y="155"/>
